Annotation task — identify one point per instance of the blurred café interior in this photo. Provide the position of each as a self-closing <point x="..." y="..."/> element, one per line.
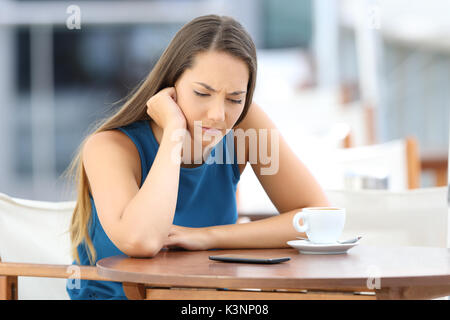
<point x="359" y="89"/>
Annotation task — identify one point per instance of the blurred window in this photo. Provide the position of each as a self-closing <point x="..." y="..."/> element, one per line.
<point x="287" y="23"/>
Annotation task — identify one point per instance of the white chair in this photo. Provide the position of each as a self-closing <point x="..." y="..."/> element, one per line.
<point x="36" y="232"/>
<point x="416" y="217"/>
<point x="412" y="217"/>
<point x="396" y="160"/>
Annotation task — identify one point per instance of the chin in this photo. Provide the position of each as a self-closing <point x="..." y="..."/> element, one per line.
<point x="212" y="141"/>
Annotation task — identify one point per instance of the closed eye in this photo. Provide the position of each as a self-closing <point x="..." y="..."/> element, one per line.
<point x="206" y="95"/>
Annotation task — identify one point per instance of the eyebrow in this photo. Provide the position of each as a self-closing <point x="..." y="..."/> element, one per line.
<point x="235" y="93"/>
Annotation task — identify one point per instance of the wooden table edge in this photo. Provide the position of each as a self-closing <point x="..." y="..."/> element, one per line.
<point x="231" y="282"/>
<point x="407" y="287"/>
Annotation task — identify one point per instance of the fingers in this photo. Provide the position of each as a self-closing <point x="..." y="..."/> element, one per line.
<point x="171" y="91"/>
<point x="174" y="94"/>
<point x="169" y="242"/>
<point x="172" y="239"/>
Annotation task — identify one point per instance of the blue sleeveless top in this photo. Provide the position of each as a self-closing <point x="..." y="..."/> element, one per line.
<point x="201" y="202"/>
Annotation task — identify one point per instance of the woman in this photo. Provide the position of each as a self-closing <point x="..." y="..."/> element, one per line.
<point x="141" y="189"/>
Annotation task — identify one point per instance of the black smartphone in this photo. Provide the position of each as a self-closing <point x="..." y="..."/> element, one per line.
<point x="248" y="259"/>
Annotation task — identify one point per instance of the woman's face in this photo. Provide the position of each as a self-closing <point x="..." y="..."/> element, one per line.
<point x="213" y="91"/>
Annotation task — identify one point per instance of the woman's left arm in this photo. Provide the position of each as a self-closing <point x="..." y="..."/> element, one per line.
<point x="287" y="182"/>
<point x="271" y="232"/>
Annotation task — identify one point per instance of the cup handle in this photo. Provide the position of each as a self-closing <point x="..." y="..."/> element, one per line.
<point x="295" y="221"/>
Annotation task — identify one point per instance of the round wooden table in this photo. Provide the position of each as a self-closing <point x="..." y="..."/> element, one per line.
<point x="368" y="271"/>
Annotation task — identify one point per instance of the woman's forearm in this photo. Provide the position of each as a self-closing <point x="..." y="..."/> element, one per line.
<point x="272" y="232"/>
<point x="150" y="213"/>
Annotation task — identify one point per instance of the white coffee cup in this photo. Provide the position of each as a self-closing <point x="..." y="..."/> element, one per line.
<point x="322" y="225"/>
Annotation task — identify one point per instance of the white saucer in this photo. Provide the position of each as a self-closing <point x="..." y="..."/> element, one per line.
<point x="306" y="247"/>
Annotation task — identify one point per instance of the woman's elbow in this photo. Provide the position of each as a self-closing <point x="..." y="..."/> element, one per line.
<point x="142" y="249"/>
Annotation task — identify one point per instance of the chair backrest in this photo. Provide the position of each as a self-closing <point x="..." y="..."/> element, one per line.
<point x="36" y="232"/>
<point x="417" y="217"/>
<point x="397" y="160"/>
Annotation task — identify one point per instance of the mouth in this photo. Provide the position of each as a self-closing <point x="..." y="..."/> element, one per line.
<point x="208" y="130"/>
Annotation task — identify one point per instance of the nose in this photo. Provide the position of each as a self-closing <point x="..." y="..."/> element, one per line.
<point x="217" y="113"/>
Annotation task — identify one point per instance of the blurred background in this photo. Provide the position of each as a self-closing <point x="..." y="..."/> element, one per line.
<point x="362" y="77"/>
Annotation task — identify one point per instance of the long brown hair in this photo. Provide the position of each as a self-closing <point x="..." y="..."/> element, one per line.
<point x="204" y="33"/>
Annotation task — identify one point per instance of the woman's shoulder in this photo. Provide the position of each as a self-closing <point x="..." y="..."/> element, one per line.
<point x="113" y="138"/>
<point x="111" y="146"/>
<point x="117" y="137"/>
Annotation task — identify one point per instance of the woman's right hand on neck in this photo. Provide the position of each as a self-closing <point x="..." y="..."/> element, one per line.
<point x="164" y="110"/>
